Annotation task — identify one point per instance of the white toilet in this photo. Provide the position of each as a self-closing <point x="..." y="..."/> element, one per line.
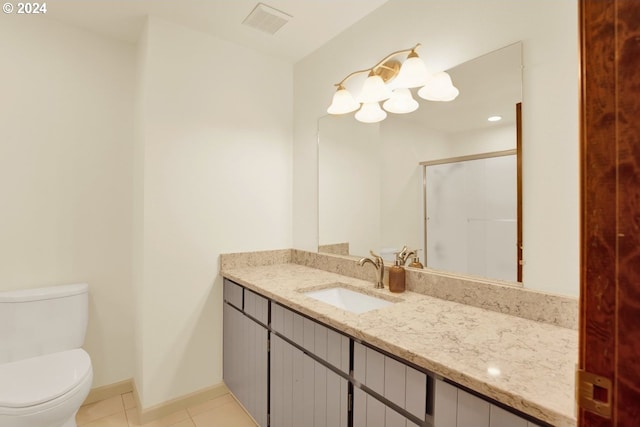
<point x="44" y="374"/>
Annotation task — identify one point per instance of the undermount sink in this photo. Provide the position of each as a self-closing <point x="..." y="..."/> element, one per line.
<point x="348" y="299"/>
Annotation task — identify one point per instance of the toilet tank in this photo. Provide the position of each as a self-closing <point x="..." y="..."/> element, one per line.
<point x="40" y="321"/>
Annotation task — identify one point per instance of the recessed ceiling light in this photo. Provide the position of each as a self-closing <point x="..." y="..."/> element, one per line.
<point x="495" y="118"/>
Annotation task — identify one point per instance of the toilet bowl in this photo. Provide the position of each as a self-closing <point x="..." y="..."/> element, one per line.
<point x="44" y="391"/>
<point x="45" y="375"/>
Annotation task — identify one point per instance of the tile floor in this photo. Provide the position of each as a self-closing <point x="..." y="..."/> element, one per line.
<point x="121" y="411"/>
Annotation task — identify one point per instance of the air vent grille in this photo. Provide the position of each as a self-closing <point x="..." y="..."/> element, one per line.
<point x="266" y="18"/>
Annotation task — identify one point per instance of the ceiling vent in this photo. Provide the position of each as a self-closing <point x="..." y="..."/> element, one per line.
<point x="266" y="18"/>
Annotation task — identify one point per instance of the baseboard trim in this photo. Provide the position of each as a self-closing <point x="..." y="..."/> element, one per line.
<point x="109" y="390"/>
<point x="169" y="407"/>
<point x="243" y="408"/>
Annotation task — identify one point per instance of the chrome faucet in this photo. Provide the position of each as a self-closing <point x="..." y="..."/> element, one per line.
<point x="379" y="266"/>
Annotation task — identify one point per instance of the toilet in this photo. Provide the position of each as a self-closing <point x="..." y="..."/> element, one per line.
<point x="45" y="375"/>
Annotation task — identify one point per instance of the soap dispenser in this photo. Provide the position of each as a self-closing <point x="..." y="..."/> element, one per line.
<point x="397" y="276"/>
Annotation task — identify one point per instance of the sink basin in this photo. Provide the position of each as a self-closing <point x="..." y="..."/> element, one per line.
<point x="347" y="299"/>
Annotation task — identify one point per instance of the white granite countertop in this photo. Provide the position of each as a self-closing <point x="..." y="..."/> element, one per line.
<point x="524" y="364"/>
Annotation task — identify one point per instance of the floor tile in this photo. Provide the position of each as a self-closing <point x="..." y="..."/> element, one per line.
<point x="168" y="421"/>
<point x="128" y="400"/>
<point x="101" y="409"/>
<point x="227" y="415"/>
<point x="116" y="420"/>
<point x="210" y="404"/>
<point x="185" y="423"/>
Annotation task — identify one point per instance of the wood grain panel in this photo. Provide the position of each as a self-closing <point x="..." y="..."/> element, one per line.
<point x="628" y="127"/>
<point x="598" y="164"/>
<point x="610" y="238"/>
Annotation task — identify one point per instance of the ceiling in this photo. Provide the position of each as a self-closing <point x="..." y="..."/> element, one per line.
<point x="313" y="22"/>
<point x="489" y="85"/>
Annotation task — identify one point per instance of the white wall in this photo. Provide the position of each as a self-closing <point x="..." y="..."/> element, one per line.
<point x="215" y="148"/>
<point x="349" y="184"/>
<point x="405" y="144"/>
<point x="132" y="168"/>
<point x="495" y="138"/>
<point x="66" y="132"/>
<point x="452" y="32"/>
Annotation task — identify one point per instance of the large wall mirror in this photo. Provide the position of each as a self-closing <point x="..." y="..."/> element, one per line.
<point x="369" y="175"/>
<point x="408" y="179"/>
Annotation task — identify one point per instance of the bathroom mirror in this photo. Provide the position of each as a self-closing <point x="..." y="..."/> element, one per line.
<point x="372" y="186"/>
<point x="453" y="33"/>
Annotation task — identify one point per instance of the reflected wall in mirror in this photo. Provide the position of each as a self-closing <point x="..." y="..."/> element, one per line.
<point x="370" y="177"/>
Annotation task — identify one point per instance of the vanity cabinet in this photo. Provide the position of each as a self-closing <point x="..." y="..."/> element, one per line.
<point x="315" y="338"/>
<point x="305" y="392"/>
<point x="454" y="407"/>
<point x="391" y="392"/>
<point x="371" y="412"/>
<point x="245" y="349"/>
<point x="309" y="369"/>
<point x="289" y="370"/>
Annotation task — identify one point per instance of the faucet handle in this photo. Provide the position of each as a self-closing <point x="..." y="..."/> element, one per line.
<point x="405" y="254"/>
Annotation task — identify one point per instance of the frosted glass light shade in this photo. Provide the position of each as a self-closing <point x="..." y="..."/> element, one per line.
<point x="413" y="73"/>
<point x="370" y="113"/>
<point x="343" y="102"/>
<point x="401" y="102"/>
<point x="439" y="88"/>
<point x="374" y="90"/>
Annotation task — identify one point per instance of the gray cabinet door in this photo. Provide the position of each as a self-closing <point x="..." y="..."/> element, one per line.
<point x="245" y="361"/>
<point x="324" y="342"/>
<point x="232" y="293"/>
<point x="370" y="412"/>
<point x="397" y="382"/>
<point x="454" y="407"/>
<point x="303" y="391"/>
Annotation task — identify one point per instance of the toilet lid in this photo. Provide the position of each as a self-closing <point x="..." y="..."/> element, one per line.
<point x="40" y="379"/>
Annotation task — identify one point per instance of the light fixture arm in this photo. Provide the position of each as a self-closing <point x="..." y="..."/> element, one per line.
<point x="378" y="65"/>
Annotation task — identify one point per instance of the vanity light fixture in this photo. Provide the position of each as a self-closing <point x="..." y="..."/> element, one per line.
<point x="391" y="81"/>
<point x="370" y="112"/>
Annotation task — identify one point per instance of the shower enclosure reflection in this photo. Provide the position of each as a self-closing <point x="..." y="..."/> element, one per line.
<point x="471" y="215"/>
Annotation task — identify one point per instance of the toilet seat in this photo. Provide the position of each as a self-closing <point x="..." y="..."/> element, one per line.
<point x="38" y="380"/>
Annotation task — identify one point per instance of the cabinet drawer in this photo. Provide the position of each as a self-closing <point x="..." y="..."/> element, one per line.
<point x="454" y="407"/>
<point x="232" y="293"/>
<point x="392" y="379"/>
<point x="256" y="306"/>
<point x="370" y="412"/>
<point x="322" y="341"/>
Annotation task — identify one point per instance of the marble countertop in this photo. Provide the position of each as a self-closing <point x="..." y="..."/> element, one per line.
<point x="524" y="364"/>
